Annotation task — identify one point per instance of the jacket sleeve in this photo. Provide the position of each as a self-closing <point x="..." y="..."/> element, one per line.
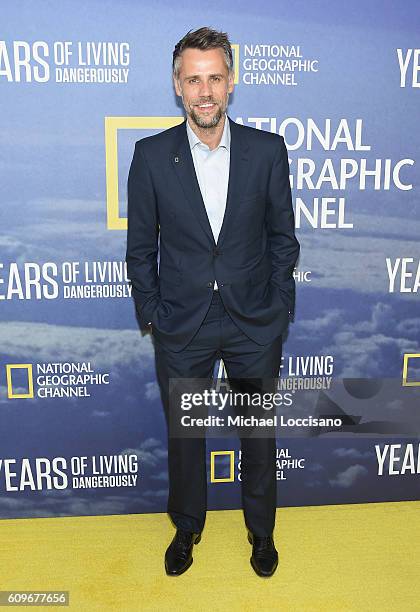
<point x="280" y="223"/>
<point x="142" y="237"/>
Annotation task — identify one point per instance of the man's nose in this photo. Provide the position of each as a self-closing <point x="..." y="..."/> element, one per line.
<point x="205" y="89"/>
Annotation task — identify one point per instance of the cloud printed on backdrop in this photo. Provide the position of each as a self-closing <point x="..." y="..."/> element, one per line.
<point x="81" y="425"/>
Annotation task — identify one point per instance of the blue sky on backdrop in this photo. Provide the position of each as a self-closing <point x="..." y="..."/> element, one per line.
<point x="53" y="208"/>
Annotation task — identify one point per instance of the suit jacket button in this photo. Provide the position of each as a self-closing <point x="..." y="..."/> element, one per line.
<point x="209" y="284"/>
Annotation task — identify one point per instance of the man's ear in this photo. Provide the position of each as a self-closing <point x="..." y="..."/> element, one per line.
<point x="231" y="81"/>
<point x="177" y="87"/>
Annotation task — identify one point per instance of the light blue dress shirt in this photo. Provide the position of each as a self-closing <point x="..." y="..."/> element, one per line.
<point x="212" y="170"/>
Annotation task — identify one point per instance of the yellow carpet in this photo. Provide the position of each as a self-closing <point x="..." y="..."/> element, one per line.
<point x="356" y="557"/>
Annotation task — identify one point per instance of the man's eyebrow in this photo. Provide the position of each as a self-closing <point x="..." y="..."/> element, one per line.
<point x="197" y="76"/>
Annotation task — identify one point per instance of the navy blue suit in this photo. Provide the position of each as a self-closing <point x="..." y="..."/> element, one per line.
<point x="256" y="251"/>
<point x="193" y="325"/>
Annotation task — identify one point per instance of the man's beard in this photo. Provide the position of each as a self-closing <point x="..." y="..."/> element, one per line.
<point x="203" y="122"/>
<point x="207" y="122"/>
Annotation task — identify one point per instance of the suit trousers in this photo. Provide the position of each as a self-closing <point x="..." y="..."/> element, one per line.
<point x="219" y="337"/>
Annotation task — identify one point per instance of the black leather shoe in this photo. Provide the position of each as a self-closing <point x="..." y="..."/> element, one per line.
<point x="264" y="558"/>
<point x="178" y="556"/>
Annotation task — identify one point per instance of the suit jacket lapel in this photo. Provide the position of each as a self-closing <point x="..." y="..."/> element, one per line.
<point x="238" y="174"/>
<point x="182" y="161"/>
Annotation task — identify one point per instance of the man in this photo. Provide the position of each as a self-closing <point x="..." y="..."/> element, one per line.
<point x="213" y="199"/>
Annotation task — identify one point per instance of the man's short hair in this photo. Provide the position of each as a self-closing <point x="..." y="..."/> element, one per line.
<point x="203" y="38"/>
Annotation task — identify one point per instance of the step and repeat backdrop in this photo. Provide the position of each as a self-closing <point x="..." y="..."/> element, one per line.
<point x="82" y="430"/>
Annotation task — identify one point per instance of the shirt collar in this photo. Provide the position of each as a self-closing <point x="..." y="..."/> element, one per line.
<point x="224" y="141"/>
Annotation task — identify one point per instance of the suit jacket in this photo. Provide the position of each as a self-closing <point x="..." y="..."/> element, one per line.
<point x="256" y="251"/>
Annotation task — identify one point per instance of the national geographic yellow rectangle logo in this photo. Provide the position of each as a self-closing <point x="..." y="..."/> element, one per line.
<point x="235" y="52"/>
<point x="231" y="455"/>
<point x="19" y="366"/>
<point x="409" y="357"/>
<point x="112" y="125"/>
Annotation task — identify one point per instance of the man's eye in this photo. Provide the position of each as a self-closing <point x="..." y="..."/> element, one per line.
<point x="193" y="80"/>
<point x="216" y="78"/>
